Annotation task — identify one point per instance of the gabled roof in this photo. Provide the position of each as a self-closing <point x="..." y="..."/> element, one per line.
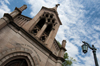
<point x="54" y="9"/>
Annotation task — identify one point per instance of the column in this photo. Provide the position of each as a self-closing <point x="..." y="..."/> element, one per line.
<point x="23" y="7"/>
<point x="18" y="11"/>
<point x="42" y="30"/>
<point x="49" y="39"/>
<point x="59" y="63"/>
<point x="63" y="43"/>
<point x="62" y="49"/>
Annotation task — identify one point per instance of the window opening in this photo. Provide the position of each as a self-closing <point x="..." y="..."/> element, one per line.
<point x="47" y="15"/>
<point x="53" y="21"/>
<point x="48" y="20"/>
<point x="48" y="29"/>
<point x="38" y="26"/>
<point x="41" y="23"/>
<point x="51" y="16"/>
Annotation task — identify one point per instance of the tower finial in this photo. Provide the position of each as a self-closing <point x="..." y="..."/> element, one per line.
<point x="57" y="5"/>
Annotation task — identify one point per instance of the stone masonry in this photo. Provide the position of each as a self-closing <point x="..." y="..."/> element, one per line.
<point x="26" y="41"/>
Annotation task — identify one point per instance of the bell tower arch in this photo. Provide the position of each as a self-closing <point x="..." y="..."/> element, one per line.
<point x="44" y="25"/>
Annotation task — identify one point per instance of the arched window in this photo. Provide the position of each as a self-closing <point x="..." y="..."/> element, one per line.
<point x="48" y="29"/>
<point x="38" y="26"/>
<point x="17" y="62"/>
<point x="46" y="32"/>
<point x="41" y="23"/>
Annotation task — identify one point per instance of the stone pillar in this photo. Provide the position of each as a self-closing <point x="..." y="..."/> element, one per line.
<point x="61" y="54"/>
<point x="62" y="49"/>
<point x="9" y="17"/>
<point x="18" y="11"/>
<point x="23" y="8"/>
<point x="63" y="43"/>
<point x="42" y="30"/>
<point x="58" y="63"/>
<point x="49" y="39"/>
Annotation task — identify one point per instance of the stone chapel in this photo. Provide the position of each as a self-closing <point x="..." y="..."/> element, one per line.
<point x="26" y="41"/>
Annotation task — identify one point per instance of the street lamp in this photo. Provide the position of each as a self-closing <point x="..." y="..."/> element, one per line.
<point x="85" y="49"/>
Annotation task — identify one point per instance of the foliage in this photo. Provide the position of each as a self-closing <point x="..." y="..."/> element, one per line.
<point x="68" y="60"/>
<point x="59" y="43"/>
<point x="66" y="56"/>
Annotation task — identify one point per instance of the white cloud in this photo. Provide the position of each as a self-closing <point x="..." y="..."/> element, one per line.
<point x="4" y="8"/>
<point x="97" y="27"/>
<point x="72" y="49"/>
<point x="87" y="60"/>
<point x="7" y="1"/>
<point x="37" y="4"/>
<point x="75" y="28"/>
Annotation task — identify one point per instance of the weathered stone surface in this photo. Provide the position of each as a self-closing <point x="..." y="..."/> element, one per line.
<point x="17" y="40"/>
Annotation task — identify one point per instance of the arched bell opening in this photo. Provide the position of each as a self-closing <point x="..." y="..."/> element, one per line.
<point x="46" y="32"/>
<point x="48" y="29"/>
<point x="38" y="26"/>
<point x="41" y="23"/>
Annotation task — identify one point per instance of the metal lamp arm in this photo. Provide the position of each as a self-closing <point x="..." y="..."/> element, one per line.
<point x="87" y="44"/>
<point x="90" y="46"/>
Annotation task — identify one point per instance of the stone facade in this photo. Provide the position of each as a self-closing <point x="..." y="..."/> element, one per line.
<point x="30" y="42"/>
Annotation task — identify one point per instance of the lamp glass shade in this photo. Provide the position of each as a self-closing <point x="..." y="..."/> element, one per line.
<point x="84" y="48"/>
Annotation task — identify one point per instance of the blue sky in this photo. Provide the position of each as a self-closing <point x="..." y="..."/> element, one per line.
<point x="80" y="19"/>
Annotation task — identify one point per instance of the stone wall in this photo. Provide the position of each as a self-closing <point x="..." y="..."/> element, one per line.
<point x="14" y="42"/>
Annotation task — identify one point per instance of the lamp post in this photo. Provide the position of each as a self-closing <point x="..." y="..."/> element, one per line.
<point x="85" y="49"/>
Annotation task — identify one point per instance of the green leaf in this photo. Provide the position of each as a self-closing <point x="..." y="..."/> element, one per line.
<point x="66" y="56"/>
<point x="68" y="60"/>
<point x="59" y="43"/>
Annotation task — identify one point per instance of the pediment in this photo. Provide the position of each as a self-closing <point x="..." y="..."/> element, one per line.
<point x="54" y="10"/>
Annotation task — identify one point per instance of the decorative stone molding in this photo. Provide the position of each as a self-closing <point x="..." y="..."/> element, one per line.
<point x="20" y="20"/>
<point x="15" y="52"/>
<point x="8" y="16"/>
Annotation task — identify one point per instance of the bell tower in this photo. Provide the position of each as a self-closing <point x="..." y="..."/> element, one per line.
<point x="44" y="25"/>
